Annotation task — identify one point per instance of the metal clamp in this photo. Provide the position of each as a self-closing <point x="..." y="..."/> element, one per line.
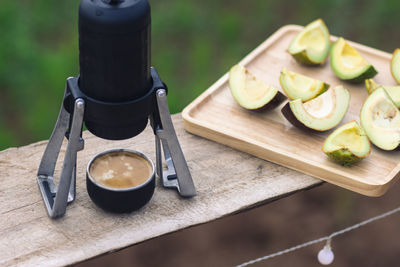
<point x="56" y="197"/>
<point x="177" y="175"/>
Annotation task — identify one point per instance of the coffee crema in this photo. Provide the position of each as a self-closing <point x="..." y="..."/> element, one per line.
<point x="120" y="170"/>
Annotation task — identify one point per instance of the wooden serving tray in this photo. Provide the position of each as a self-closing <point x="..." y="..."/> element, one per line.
<point x="216" y="116"/>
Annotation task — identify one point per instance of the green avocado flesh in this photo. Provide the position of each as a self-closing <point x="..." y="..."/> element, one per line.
<point x="348" y="144"/>
<point x="296" y="85"/>
<point x="348" y="64"/>
<point x="395" y="65"/>
<point x="311" y="45"/>
<point x="250" y="92"/>
<point x="380" y="119"/>
<point x="321" y="113"/>
<point x="393" y="91"/>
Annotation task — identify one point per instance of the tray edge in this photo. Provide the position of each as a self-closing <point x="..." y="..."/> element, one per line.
<point x="200" y="128"/>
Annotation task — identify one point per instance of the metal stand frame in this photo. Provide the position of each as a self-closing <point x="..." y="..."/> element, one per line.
<point x="177" y="174"/>
<point x="56" y="198"/>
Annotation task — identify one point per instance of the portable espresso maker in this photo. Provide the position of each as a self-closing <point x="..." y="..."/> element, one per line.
<point x="115" y="95"/>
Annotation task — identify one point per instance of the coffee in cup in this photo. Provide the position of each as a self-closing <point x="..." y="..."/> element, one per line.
<point x="120" y="180"/>
<point x="120" y="170"/>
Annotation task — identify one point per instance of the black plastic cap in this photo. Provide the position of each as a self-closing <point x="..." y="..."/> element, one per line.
<point x="116" y="17"/>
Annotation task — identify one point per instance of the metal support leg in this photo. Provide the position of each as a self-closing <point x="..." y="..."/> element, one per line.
<point x="177" y="175"/>
<point x="56" y="197"/>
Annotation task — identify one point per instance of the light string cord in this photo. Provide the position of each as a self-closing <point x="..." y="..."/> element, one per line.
<point x="325" y="238"/>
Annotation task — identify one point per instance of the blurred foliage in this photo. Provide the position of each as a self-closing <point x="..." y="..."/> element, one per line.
<point x="194" y="42"/>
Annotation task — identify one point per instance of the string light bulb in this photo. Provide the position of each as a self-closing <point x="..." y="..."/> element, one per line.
<point x="325" y="255"/>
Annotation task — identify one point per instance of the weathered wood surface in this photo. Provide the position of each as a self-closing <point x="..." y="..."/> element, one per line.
<point x="227" y="181"/>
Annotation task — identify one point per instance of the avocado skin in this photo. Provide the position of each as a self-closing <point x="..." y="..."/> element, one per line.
<point x="278" y="99"/>
<point x="302" y="58"/>
<point x="344" y="157"/>
<point x="368" y="74"/>
<point x="288" y="114"/>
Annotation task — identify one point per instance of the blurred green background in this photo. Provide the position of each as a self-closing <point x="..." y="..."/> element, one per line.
<point x="193" y="43"/>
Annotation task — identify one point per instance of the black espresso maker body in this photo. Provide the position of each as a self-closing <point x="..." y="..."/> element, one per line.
<point x="115" y="95"/>
<point x="114" y="59"/>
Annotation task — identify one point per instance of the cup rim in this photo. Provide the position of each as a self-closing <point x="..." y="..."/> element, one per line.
<point x="116" y="150"/>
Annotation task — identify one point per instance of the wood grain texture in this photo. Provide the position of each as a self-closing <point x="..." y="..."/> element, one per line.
<point x="227" y="181"/>
<point x="268" y="135"/>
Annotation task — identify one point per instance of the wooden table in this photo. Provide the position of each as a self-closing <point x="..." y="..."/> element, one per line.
<point x="227" y="182"/>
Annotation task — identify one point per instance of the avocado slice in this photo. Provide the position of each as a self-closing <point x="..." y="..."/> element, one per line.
<point x="321" y="113"/>
<point x="296" y="85"/>
<point x="348" y="64"/>
<point x="371" y="85"/>
<point x="393" y="91"/>
<point x="395" y="65"/>
<point x="311" y="45"/>
<point x="348" y="144"/>
<point x="250" y="92"/>
<point x="380" y="118"/>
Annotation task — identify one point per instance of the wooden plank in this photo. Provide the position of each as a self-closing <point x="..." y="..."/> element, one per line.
<point x="227" y="181"/>
<point x="216" y="116"/>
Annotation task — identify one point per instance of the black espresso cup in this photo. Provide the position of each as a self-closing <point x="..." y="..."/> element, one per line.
<point x="120" y="180"/>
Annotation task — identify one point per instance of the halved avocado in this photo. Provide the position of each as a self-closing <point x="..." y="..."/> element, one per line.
<point x="380" y="119"/>
<point x="395" y="65"/>
<point x="348" y="144"/>
<point x="393" y="91"/>
<point x="321" y="113"/>
<point x="296" y="85"/>
<point x="311" y="45"/>
<point x="348" y="64"/>
<point x="250" y="92"/>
